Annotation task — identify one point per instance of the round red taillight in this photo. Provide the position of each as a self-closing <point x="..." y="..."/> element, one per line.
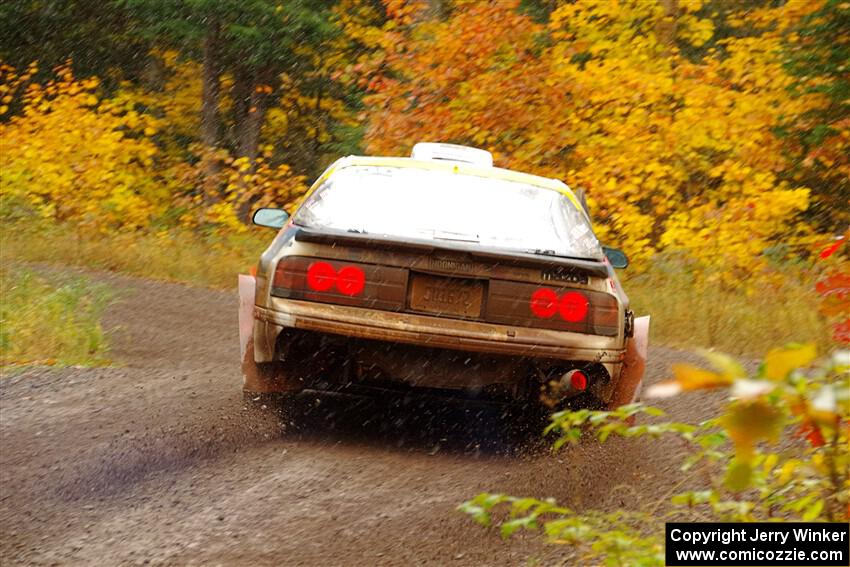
<point x="321" y="276"/>
<point x="544" y="303"/>
<point x="578" y="380"/>
<point x="574" y="307"/>
<point x="351" y="280"/>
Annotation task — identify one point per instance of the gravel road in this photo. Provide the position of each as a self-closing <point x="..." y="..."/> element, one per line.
<point x="157" y="460"/>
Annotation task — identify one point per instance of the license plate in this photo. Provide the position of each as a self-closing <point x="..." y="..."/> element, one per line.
<point x="446" y="296"/>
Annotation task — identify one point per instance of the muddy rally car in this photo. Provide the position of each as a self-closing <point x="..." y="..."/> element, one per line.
<point x="443" y="273"/>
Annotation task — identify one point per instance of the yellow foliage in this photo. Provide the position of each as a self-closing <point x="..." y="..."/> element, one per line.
<point x="178" y="101"/>
<point x="72" y="155"/>
<point x="779" y="362"/>
<point x="692" y="377"/>
<point x="675" y="153"/>
<point x="232" y="187"/>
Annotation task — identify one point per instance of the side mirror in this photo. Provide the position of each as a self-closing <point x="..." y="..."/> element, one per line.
<point x="616" y="256"/>
<point x="270" y="218"/>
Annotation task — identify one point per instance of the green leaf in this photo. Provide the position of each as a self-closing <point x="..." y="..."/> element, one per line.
<point x="813" y="511"/>
<point x="527" y="522"/>
<point x="599" y="417"/>
<point x="738" y="475"/>
<point x="523" y="504"/>
<point x="799" y="504"/>
<point x="490" y="500"/>
<point x="477" y="512"/>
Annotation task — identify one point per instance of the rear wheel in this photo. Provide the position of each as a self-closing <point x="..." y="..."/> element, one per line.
<point x="274" y="377"/>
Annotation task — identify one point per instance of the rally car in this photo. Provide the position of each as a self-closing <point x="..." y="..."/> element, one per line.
<point x="443" y="273"/>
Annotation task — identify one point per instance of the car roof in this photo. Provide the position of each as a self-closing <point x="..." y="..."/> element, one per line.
<point x="451" y="166"/>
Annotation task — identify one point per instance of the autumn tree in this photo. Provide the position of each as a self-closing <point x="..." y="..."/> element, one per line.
<point x="255" y="43"/>
<point x="677" y="150"/>
<point x="72" y="156"/>
<point x="315" y="120"/>
<point x="100" y="38"/>
<point x="818" y="56"/>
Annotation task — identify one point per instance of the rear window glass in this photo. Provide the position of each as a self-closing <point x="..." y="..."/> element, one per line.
<point x="441" y="205"/>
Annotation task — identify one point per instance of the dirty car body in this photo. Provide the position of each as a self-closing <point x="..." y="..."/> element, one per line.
<point x="442" y="273"/>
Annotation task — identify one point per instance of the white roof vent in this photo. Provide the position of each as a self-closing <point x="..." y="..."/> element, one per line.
<point x="452" y="152"/>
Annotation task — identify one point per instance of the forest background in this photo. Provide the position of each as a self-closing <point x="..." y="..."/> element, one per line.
<point x="712" y="136"/>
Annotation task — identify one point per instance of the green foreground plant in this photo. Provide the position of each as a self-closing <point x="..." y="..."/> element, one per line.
<point x="45" y="321"/>
<point x="778" y="450"/>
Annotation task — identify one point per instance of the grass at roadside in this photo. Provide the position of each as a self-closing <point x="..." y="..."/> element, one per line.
<point x="688" y="315"/>
<point x="43" y="321"/>
<point x="173" y="255"/>
<point x="683" y="313"/>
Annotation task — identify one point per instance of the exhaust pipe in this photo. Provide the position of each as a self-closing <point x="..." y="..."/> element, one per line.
<point x="573" y="382"/>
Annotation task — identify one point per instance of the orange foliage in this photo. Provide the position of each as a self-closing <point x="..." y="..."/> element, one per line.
<point x="675" y="154"/>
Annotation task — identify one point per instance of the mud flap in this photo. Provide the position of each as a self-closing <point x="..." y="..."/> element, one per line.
<point x="266" y="378"/>
<point x="252" y="376"/>
<point x="247" y="289"/>
<point x="634" y="364"/>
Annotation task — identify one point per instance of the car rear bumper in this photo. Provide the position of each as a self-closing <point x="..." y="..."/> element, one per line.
<point x="427" y="331"/>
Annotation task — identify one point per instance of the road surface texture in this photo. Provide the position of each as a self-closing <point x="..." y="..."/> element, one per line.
<point x="157" y="460"/>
